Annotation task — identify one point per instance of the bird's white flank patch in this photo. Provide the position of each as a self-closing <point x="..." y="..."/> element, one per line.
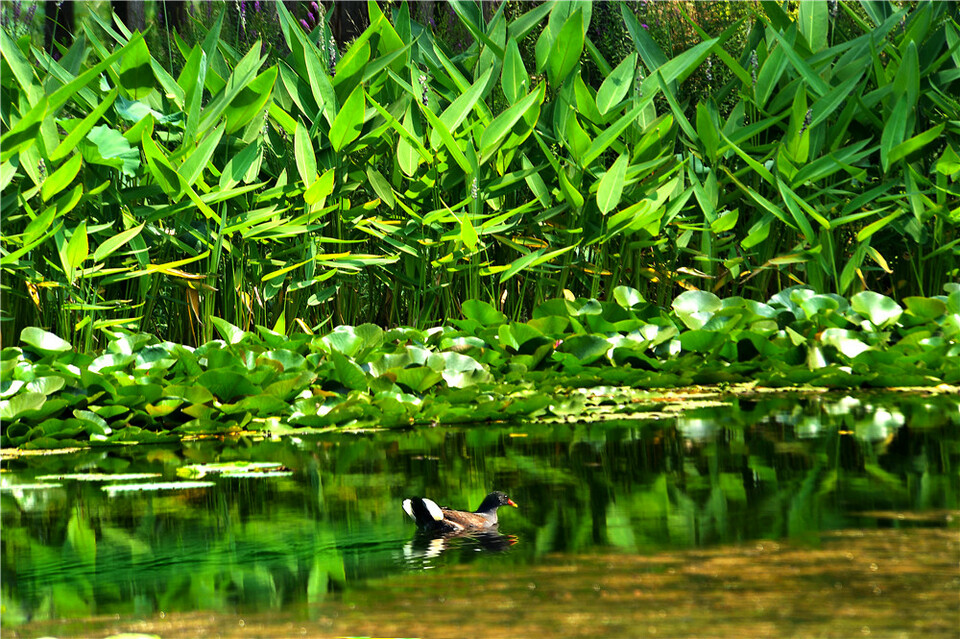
<point x="433" y="509"/>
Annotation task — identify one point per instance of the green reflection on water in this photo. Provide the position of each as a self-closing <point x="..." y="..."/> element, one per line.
<point x="332" y="532"/>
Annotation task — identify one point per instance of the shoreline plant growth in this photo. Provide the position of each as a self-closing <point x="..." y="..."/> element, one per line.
<point x="484" y="367"/>
<point x="389" y="182"/>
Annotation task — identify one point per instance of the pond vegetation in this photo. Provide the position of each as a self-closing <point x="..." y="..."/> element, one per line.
<point x="260" y="285"/>
<point x="482" y="368"/>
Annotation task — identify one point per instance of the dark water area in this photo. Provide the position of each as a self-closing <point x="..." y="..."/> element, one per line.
<point x="771" y="516"/>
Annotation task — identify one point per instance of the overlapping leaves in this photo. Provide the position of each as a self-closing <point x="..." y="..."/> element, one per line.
<point x="485" y="367"/>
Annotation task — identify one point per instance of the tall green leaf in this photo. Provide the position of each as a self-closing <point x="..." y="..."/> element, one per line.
<point x="349" y="121"/>
<point x="611" y="185"/>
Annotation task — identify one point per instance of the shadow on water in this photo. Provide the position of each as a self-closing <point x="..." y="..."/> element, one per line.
<point x="770" y="516"/>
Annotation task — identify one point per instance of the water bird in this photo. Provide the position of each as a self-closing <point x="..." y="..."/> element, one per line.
<point x="433" y="518"/>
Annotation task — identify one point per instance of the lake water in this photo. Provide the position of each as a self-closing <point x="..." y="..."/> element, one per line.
<point x="770" y="516"/>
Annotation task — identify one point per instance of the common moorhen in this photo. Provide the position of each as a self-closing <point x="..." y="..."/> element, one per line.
<point x="431" y="517"/>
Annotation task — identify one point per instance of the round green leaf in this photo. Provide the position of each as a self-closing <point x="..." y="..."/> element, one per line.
<point x="43" y="341"/>
<point x="925" y="307"/>
<point x="627" y="297"/>
<point x="879" y="309"/>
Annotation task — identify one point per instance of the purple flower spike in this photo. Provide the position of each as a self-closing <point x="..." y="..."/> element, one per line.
<point x="256" y="6"/>
<point x="304" y="24"/>
<point x="310" y="17"/>
<point x="315" y="7"/>
<point x="644" y="25"/>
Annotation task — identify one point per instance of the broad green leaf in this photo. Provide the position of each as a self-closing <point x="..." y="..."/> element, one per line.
<point x="198" y="157"/>
<point x="879" y="309"/>
<point x="347" y="125"/>
<point x="497" y="131"/>
<point x="927" y="308"/>
<point x="814" y="21"/>
<point x="914" y="144"/>
<point x="458" y="371"/>
<point x="586" y="349"/>
<point x="136" y="75"/>
<point x="21" y="403"/>
<point x="317" y="194"/>
<point x="537" y="186"/>
<point x="44" y="341"/>
<point x="227" y="385"/>
<point x="514" y="79"/>
<point x="825" y="106"/>
<point x="78" y="132"/>
<point x="348" y="373"/>
<point x="61" y="178"/>
<point x="69" y="90"/>
<point x="611" y="185"/>
<point x="907" y="81"/>
<point x="577" y="140"/>
<point x="351" y="66"/>
<point x="231" y="334"/>
<point x="305" y="156"/>
<point x="627" y="297"/>
<point x="7" y="172"/>
<point x="77" y="249"/>
<point x="867" y="231"/>
<point x="107" y="146"/>
<point x="616" y="85"/>
<point x="454" y="115"/>
<point x="24" y="132"/>
<point x="239" y="80"/>
<point x="381" y="186"/>
<point x="447" y="138"/>
<point x="566" y="50"/>
<point x="160" y="168"/>
<point x="571" y="194"/>
<point x="482" y="312"/>
<point x="613" y="132"/>
<point x="21" y="68"/>
<point x="707" y="130"/>
<point x="649" y="52"/>
<point x="894" y="131"/>
<point x="110" y="245"/>
<point x="239" y="168"/>
<point x="251" y="100"/>
<point x="695" y="308"/>
<point x="408" y="157"/>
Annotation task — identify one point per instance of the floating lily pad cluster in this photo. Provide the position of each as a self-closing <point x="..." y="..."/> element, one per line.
<point x="482" y="367"/>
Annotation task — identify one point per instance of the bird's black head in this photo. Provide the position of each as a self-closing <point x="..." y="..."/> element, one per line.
<point x="494" y="500"/>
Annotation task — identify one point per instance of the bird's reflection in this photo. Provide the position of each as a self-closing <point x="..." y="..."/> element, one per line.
<point x="419" y="552"/>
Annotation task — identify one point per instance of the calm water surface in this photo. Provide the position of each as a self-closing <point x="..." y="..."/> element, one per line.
<point x="827" y="516"/>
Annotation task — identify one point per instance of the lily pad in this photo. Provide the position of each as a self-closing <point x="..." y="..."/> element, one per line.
<point x="44" y="341"/>
<point x="225" y="468"/>
<point x="95" y="477"/>
<point x="879" y="309"/>
<point x="113" y="489"/>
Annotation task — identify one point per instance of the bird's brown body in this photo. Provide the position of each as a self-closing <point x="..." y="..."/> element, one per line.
<point x="431" y="517"/>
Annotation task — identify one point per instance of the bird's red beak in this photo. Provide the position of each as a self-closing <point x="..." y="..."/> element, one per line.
<point x="510" y="502"/>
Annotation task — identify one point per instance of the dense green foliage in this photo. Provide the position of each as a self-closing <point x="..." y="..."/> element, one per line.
<point x="486" y="368"/>
<point x="392" y="181"/>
